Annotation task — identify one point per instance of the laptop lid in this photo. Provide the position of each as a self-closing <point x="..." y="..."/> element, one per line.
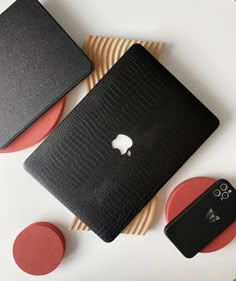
<point x="138" y="101"/>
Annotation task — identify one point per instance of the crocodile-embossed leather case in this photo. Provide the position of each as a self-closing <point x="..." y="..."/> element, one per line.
<point x="204" y="219"/>
<point x="138" y="98"/>
<point x="39" y="64"/>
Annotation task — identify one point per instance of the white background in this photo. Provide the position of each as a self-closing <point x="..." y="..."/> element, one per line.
<point x="200" y="51"/>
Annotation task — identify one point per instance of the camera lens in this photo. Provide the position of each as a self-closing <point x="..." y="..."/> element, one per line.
<point x="225" y="195"/>
<point x="223" y="187"/>
<point x="217" y="192"/>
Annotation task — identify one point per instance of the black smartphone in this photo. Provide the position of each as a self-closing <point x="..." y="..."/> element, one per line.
<point x="204" y="219"/>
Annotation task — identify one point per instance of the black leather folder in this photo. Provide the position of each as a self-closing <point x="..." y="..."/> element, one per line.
<point x="39" y="64"/>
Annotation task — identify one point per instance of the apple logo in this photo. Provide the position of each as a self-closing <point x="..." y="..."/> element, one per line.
<point x="122" y="143"/>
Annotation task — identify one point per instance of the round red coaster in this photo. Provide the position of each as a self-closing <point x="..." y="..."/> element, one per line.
<point x="38" y="130"/>
<point x="183" y="195"/>
<point x="39" y="248"/>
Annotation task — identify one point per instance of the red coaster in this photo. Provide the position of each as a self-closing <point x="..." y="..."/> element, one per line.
<point x="39" y="248"/>
<point x="183" y="195"/>
<point x="38" y="130"/>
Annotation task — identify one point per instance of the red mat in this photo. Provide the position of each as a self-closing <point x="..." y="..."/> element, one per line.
<point x="38" y="130"/>
<point x="184" y="194"/>
<point x="39" y="248"/>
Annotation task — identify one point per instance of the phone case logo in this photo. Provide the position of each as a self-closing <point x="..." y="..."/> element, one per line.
<point x="211" y="216"/>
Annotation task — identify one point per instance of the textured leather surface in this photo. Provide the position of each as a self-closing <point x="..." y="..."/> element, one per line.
<point x="104" y="52"/>
<point x="39" y="64"/>
<point x="138" y="97"/>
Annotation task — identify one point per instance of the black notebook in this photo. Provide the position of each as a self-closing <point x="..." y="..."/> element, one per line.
<point x="39" y="64"/>
<point x="138" y="102"/>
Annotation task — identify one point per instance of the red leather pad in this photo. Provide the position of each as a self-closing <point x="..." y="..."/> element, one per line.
<point x="39" y="248"/>
<point x="38" y="130"/>
<point x="184" y="194"/>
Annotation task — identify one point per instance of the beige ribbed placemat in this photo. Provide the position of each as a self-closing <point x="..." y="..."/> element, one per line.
<point x="104" y="52"/>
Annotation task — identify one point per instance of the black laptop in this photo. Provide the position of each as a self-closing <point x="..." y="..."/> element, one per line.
<point x="39" y="64"/>
<point x="137" y="103"/>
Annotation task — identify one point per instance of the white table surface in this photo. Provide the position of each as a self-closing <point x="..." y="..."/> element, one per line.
<point x="200" y="51"/>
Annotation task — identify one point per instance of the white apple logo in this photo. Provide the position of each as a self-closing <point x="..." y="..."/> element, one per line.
<point x="122" y="143"/>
